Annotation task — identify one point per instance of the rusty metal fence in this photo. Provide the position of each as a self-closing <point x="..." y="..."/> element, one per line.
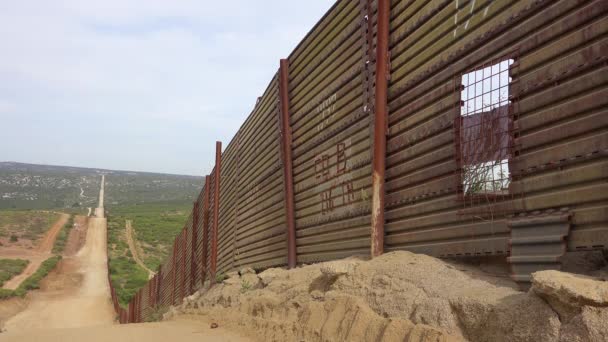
<point x="451" y="128"/>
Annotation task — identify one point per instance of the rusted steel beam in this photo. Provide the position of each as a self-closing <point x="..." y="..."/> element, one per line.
<point x="195" y="215"/>
<point x="182" y="292"/>
<point x="216" y="207"/>
<point x="151" y="284"/>
<point x="174" y="261"/>
<point x="130" y="319"/>
<point x="380" y="129"/>
<point x="205" y="250"/>
<point x="136" y="306"/>
<point x="159" y="284"/>
<point x="286" y="142"/>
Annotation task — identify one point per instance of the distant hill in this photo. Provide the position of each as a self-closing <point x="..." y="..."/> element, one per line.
<point x="30" y="186"/>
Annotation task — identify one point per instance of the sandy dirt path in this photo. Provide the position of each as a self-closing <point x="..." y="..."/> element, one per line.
<point x="87" y="304"/>
<point x="43" y="251"/>
<point x="184" y="329"/>
<point x="47" y="242"/>
<point x="133" y="247"/>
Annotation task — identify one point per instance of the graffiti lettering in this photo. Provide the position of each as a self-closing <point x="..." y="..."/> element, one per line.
<point x="326" y="109"/>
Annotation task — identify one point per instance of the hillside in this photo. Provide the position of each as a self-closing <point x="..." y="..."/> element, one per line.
<point x="29" y="186"/>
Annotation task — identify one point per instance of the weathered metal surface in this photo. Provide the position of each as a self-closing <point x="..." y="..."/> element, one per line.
<point x="216" y="208"/>
<point x="205" y="235"/>
<point x="286" y="149"/>
<point x="559" y="125"/>
<point x="227" y="208"/>
<point x="196" y="211"/>
<point x="261" y="223"/>
<point x="330" y="106"/>
<point x="551" y="133"/>
<point x="537" y="242"/>
<point x="380" y="130"/>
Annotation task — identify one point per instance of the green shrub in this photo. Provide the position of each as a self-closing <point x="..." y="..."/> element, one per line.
<point x="155" y="227"/>
<point x="220" y="277"/>
<point x="62" y="237"/>
<point x="127" y="278"/>
<point x="245" y="286"/>
<point x="33" y="281"/>
<point x="6" y="293"/>
<point x="14" y="238"/>
<point x="10" y="268"/>
<point x="157" y="314"/>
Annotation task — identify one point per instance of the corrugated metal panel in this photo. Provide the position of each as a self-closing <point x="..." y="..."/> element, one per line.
<point x="560" y="48"/>
<point x="199" y="238"/>
<point x="538" y="241"/>
<point x="330" y="118"/>
<point x="228" y="206"/>
<point x="261" y="232"/>
<point x="556" y="130"/>
<point x="211" y="224"/>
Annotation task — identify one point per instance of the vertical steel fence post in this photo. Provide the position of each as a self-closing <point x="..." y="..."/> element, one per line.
<point x="216" y="208"/>
<point x="193" y="246"/>
<point x="131" y="311"/>
<point x="137" y="304"/>
<point x="159" y="284"/>
<point x="182" y="292"/>
<point x="286" y="142"/>
<point x="174" y="261"/>
<point x="380" y="129"/>
<point x="205" y="249"/>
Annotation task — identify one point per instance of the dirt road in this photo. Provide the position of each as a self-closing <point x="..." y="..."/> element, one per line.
<point x="75" y="305"/>
<point x="81" y="298"/>
<point x="133" y="247"/>
<point x="43" y="251"/>
<point x="183" y="330"/>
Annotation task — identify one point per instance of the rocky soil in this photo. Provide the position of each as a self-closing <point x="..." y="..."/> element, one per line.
<point x="402" y="296"/>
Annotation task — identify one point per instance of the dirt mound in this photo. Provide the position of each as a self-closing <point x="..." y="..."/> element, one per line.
<point x="580" y="301"/>
<point x="398" y="296"/>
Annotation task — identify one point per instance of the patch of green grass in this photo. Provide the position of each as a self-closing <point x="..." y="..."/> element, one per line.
<point x="127" y="277"/>
<point x="62" y="237"/>
<point x="245" y="286"/>
<point x="10" y="268"/>
<point x="33" y="281"/>
<point x="28" y="224"/>
<point x="220" y="277"/>
<point x="157" y="314"/>
<point x="69" y="188"/>
<point x="155" y="227"/>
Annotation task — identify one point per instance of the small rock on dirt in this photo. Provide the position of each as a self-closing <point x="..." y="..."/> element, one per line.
<point x="333" y="269"/>
<point x="246" y="270"/>
<point x="269" y="275"/>
<point x="570" y="289"/>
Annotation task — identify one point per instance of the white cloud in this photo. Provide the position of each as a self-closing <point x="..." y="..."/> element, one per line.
<point x="195" y="67"/>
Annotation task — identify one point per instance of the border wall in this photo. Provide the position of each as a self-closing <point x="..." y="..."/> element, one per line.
<point x="450" y="128"/>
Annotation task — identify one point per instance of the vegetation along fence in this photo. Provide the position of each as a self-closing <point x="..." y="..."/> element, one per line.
<point x="451" y="128"/>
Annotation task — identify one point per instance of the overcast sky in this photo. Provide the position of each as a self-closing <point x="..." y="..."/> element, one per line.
<point x="137" y="85"/>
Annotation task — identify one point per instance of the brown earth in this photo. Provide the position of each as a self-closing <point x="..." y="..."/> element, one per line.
<point x="133" y="248"/>
<point x="47" y="242"/>
<point x="184" y="330"/>
<point x="401" y="296"/>
<point x="74" y="305"/>
<point x="36" y="256"/>
<point x="77" y="294"/>
<point x="77" y="236"/>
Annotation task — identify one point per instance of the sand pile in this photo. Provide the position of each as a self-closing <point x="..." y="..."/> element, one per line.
<point x="402" y="296"/>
